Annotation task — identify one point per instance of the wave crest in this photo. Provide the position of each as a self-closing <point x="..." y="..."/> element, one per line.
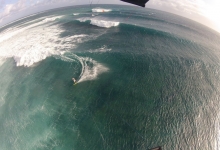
<point x="101" y="10"/>
<point x="100" y="23"/>
<point x="103" y="49"/>
<point x="105" y="24"/>
<point x="51" y="19"/>
<point x="34" y="43"/>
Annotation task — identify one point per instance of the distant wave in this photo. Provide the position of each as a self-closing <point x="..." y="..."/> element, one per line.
<point x="103" y="49"/>
<point x="51" y="19"/>
<point x="101" y="10"/>
<point x="105" y="24"/>
<point x="38" y="48"/>
<point x="35" y="42"/>
<point x="100" y="23"/>
<point x="75" y="14"/>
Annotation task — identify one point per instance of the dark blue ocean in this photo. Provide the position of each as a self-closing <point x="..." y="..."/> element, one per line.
<point x="145" y="78"/>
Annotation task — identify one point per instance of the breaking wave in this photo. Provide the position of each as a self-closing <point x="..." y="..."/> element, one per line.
<point x="101" y="10"/>
<point x="100" y="23"/>
<point x="75" y="14"/>
<point x="105" y="24"/>
<point x="90" y="69"/>
<point x="51" y="19"/>
<point x="34" y="43"/>
<point x="9" y="33"/>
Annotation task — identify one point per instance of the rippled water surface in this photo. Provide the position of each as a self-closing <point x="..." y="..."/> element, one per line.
<point x="145" y="78"/>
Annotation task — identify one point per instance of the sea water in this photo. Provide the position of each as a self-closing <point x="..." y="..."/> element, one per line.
<point x="145" y="78"/>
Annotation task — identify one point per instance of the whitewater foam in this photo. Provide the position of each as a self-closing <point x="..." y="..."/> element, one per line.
<point x="84" y="19"/>
<point x="99" y="22"/>
<point x="103" y="49"/>
<point x="75" y="14"/>
<point x="90" y="69"/>
<point x="105" y="24"/>
<point x="101" y="10"/>
<point x="10" y="32"/>
<point x="34" y="43"/>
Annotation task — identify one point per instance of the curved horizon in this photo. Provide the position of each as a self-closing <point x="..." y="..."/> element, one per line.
<point x="199" y="10"/>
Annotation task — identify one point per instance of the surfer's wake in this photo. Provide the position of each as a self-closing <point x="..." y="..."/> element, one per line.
<point x="90" y="69"/>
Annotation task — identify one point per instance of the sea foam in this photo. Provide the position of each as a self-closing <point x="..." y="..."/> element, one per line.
<point x="36" y="42"/>
<point x="101" y="10"/>
<point x="103" y="49"/>
<point x="105" y="24"/>
<point x="90" y="69"/>
<point x="51" y="19"/>
<point x="7" y="34"/>
<point x="99" y="22"/>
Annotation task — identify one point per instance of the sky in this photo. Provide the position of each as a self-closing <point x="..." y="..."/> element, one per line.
<point x="203" y="11"/>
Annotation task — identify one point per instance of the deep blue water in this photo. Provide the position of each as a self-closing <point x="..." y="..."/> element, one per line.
<point x="146" y="78"/>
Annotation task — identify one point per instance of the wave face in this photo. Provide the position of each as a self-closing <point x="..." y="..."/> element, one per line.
<point x="75" y="14"/>
<point x="100" y="23"/>
<point x="144" y="78"/>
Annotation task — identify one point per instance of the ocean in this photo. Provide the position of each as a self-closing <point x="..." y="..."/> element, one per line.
<point x="145" y="78"/>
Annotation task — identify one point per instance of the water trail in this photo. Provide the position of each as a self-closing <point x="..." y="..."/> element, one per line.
<point x="90" y="68"/>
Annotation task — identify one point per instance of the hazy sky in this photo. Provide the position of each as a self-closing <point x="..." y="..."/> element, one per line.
<point x="204" y="11"/>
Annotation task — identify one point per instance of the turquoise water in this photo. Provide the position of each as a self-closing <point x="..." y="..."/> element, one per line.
<point x="150" y="79"/>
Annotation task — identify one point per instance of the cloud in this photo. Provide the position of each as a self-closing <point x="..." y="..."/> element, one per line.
<point x="198" y="10"/>
<point x="211" y="10"/>
<point x="2" y="3"/>
<point x="186" y="6"/>
<point x="11" y="8"/>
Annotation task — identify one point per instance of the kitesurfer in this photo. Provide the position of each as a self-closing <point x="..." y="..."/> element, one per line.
<point x="74" y="80"/>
